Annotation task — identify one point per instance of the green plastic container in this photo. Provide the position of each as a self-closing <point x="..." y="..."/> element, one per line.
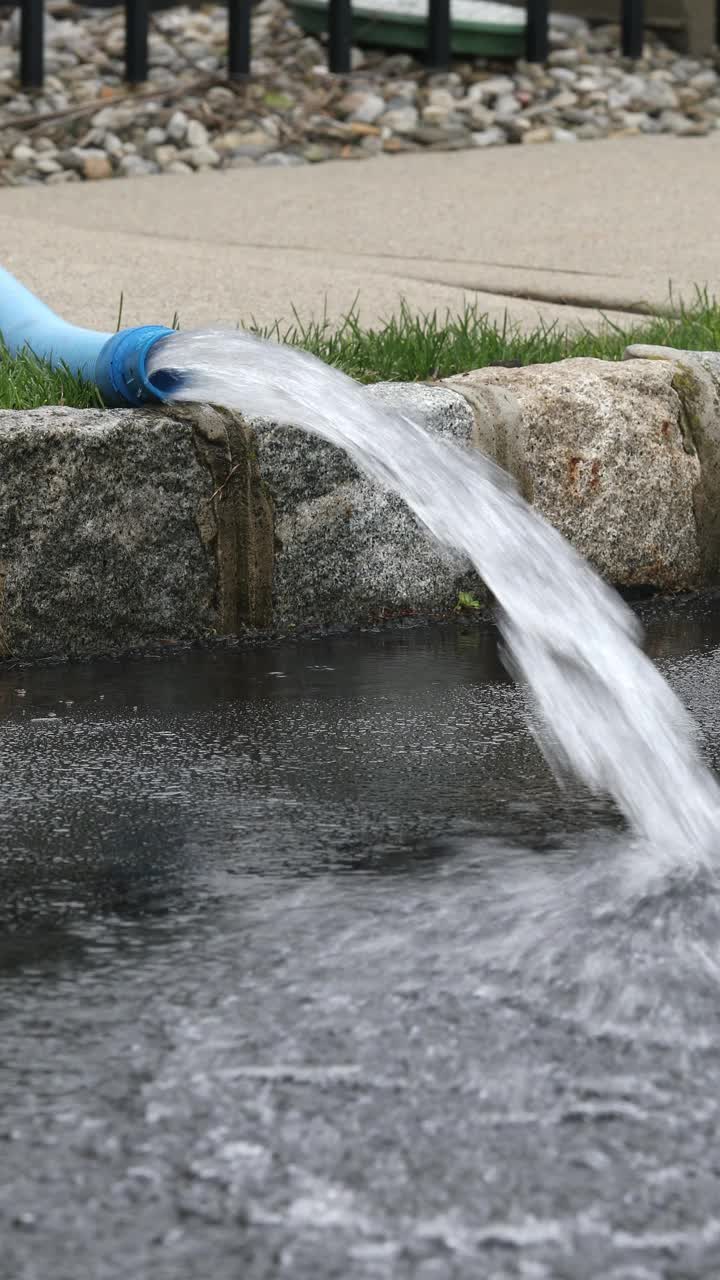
<point x="479" y="29"/>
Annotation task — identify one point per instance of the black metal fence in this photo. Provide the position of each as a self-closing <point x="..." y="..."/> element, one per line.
<point x="137" y="13"/>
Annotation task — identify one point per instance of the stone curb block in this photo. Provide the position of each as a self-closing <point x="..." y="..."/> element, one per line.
<point x="122" y="528"/>
<point x="347" y="549"/>
<point x="696" y="382"/>
<point x="600" y="449"/>
<point x="119" y="528"/>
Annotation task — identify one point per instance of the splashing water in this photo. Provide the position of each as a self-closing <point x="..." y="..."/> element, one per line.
<point x="602" y="709"/>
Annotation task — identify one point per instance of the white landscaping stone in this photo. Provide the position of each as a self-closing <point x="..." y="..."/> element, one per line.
<point x="297" y="112"/>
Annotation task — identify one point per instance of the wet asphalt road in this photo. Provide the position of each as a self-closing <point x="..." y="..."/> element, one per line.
<point x="308" y="969"/>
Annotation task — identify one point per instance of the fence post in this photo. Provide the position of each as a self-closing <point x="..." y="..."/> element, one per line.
<point x="439" y="35"/>
<point x="537" y="45"/>
<point x="633" y="23"/>
<point x="340" y="36"/>
<point x="239" y="39"/>
<point x="32" y="44"/>
<point x="136" y="41"/>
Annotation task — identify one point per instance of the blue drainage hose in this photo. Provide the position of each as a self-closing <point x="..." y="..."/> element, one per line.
<point x="115" y="362"/>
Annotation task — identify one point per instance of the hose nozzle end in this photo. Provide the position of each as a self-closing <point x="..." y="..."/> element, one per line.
<point x="121" y="370"/>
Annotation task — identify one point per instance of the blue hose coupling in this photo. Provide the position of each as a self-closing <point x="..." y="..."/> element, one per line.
<point x="121" y="370"/>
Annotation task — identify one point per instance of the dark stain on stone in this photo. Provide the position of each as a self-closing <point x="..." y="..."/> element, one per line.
<point x="237" y="521"/>
<point x="573" y="470"/>
<point x="5" y="650"/>
<point x="575" y="467"/>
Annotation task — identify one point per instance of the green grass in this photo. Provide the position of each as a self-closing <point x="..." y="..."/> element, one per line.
<point x="27" y="383"/>
<point x="409" y="348"/>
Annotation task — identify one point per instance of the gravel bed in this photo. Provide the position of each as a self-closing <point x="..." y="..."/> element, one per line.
<point x="88" y="125"/>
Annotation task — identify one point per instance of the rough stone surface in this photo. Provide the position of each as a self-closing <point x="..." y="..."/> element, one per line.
<point x="298" y="467"/>
<point x="442" y="411"/>
<point x="696" y="381"/>
<point x="113" y="532"/>
<point x="357" y="554"/>
<point x="347" y="549"/>
<point x="600" y="450"/>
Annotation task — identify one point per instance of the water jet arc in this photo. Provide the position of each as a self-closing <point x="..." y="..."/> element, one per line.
<point x="115" y="362"/>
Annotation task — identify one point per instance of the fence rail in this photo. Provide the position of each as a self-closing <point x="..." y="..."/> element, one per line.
<point x="439" y="31"/>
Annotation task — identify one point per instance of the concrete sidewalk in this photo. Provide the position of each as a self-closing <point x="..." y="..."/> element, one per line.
<point x="558" y="231"/>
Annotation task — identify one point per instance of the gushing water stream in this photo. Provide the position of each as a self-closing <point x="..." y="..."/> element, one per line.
<point x="601" y="710"/>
